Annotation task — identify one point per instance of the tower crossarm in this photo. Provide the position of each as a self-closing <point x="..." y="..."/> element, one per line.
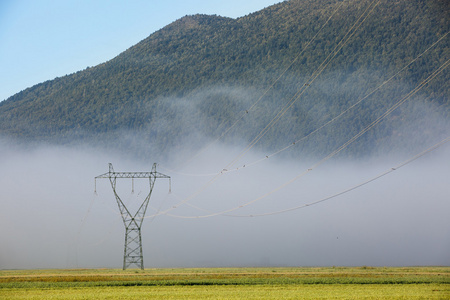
<point x="113" y="174"/>
<point x="132" y="175"/>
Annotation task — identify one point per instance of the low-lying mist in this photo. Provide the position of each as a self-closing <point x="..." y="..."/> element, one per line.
<point x="226" y="203"/>
<point x="51" y="217"/>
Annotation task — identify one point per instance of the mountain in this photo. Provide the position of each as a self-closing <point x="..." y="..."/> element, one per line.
<point x="189" y="82"/>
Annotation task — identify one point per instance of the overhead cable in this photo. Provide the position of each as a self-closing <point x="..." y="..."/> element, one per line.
<point x="339" y="149"/>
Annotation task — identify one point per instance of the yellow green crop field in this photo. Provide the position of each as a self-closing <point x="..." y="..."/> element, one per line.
<point x="229" y="283"/>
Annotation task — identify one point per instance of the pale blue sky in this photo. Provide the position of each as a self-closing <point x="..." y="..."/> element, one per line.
<point x="44" y="39"/>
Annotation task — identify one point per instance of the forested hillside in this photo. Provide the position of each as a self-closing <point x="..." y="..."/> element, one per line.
<point x="192" y="80"/>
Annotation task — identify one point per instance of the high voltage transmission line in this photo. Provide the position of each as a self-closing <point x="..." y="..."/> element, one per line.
<point x="390" y="170"/>
<point x="329" y="156"/>
<point x="350" y="33"/>
<point x="362" y="18"/>
<point x="135" y="225"/>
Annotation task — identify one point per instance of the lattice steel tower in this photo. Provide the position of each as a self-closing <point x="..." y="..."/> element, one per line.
<point x="133" y="240"/>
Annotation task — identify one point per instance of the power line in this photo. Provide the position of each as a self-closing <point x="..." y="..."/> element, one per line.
<point x="269" y="88"/>
<point x="345" y="145"/>
<point x="345" y="111"/>
<point x="410" y="160"/>
<point x="362" y="18"/>
<point x="297" y="141"/>
<point x="432" y="148"/>
<point x="310" y="81"/>
<point x="339" y="149"/>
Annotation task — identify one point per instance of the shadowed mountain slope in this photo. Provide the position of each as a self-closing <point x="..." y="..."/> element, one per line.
<point x="190" y="81"/>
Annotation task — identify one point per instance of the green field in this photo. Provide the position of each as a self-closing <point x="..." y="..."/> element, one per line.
<point x="229" y="283"/>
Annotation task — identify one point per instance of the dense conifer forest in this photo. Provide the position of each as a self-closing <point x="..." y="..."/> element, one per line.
<point x="204" y="76"/>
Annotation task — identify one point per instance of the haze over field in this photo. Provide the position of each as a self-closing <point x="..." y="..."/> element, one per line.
<point x="51" y="218"/>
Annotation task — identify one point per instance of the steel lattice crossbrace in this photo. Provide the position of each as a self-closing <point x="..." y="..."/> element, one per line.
<point x="133" y="175"/>
<point x="133" y="254"/>
<point x="112" y="174"/>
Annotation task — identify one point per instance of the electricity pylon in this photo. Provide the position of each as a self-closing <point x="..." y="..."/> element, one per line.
<point x="133" y="240"/>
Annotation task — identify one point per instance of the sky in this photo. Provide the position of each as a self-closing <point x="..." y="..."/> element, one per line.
<point x="44" y="39"/>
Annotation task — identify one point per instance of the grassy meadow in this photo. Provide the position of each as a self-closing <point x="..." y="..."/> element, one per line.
<point x="229" y="283"/>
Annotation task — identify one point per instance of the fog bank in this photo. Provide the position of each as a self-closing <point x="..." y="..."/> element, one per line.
<point x="51" y="218"/>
